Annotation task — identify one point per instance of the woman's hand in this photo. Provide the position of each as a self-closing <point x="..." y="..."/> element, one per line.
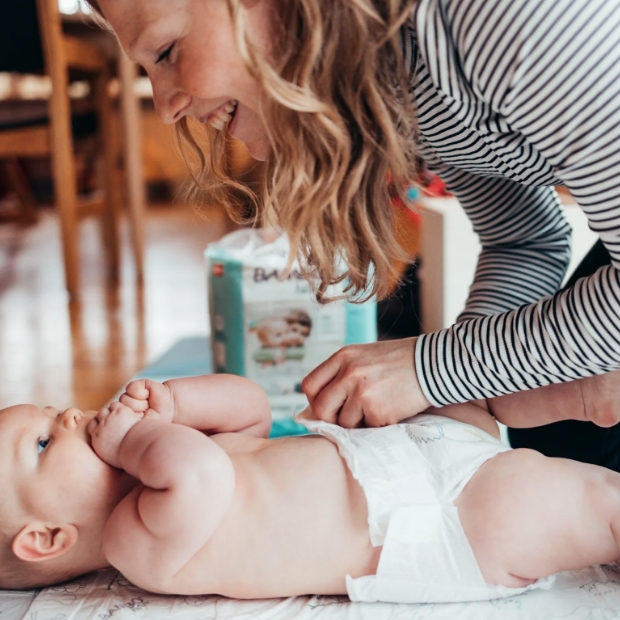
<point x="601" y="398"/>
<point x="368" y="384"/>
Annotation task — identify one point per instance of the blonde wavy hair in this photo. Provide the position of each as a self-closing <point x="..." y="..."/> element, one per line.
<point x="339" y="117"/>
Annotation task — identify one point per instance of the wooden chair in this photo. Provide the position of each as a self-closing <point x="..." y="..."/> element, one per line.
<point x="60" y="55"/>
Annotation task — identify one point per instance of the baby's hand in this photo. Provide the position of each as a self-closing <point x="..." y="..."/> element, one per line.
<point x="150" y="398"/>
<point x="108" y="429"/>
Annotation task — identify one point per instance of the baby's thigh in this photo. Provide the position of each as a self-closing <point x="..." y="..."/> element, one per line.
<point x="527" y="516"/>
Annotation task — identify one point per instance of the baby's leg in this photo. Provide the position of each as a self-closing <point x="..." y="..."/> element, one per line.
<point x="527" y="516"/>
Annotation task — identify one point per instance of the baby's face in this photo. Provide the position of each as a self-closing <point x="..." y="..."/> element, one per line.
<point x="281" y="333"/>
<point x="298" y="333"/>
<point x="274" y="333"/>
<point x="49" y="468"/>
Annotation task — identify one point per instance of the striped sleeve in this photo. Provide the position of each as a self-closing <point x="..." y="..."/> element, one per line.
<point x="524" y="236"/>
<point x="545" y="73"/>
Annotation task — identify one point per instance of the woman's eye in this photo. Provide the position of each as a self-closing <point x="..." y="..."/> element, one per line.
<point x="42" y="444"/>
<point x="164" y="54"/>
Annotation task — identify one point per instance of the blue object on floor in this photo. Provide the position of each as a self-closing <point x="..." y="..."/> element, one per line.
<point x="192" y="356"/>
<point x="187" y="358"/>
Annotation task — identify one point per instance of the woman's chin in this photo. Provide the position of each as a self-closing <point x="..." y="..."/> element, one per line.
<point x="257" y="146"/>
<point x="252" y="134"/>
<point x="259" y="150"/>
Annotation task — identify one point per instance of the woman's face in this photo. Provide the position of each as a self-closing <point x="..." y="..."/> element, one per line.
<point x="188" y="50"/>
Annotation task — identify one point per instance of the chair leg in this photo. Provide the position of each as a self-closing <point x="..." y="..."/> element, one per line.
<point x="61" y="147"/>
<point x="65" y="188"/>
<point x="17" y="180"/>
<point x="133" y="160"/>
<point x="111" y="217"/>
<point x="66" y="201"/>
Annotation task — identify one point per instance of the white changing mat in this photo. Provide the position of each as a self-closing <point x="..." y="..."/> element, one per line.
<point x="592" y="594"/>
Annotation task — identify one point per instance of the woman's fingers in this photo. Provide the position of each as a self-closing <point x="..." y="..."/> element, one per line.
<point x="327" y="404"/>
<point x="351" y="415"/>
<point x="320" y="377"/>
<point x="376" y="383"/>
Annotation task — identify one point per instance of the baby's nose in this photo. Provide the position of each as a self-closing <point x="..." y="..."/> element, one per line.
<point x="70" y="417"/>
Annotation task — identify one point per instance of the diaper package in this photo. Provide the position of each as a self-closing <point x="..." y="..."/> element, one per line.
<point x="272" y="330"/>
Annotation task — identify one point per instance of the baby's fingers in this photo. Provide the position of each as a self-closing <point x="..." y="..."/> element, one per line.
<point x="93" y="425"/>
<point x="102" y="414"/>
<point x="151" y="413"/>
<point x="137" y="405"/>
<point x="137" y="389"/>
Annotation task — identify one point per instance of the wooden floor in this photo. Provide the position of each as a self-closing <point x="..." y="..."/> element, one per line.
<point x="61" y="354"/>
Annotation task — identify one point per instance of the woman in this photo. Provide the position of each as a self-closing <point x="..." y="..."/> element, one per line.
<point x="502" y="98"/>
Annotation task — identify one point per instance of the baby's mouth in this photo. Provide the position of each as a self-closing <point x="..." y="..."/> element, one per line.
<point x="223" y="115"/>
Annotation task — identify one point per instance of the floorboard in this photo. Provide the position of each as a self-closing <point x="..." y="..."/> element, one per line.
<point x="61" y="354"/>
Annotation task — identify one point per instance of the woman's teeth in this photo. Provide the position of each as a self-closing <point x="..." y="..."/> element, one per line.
<point x="223" y="115"/>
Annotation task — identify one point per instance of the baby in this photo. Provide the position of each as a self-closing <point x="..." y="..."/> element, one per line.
<point x="178" y="487"/>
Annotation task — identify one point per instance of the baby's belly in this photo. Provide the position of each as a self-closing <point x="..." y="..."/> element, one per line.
<point x="298" y="525"/>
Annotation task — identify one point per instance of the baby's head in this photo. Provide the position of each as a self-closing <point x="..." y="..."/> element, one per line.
<point x="287" y="331"/>
<point x="57" y="495"/>
<point x="300" y="324"/>
<point x="273" y="332"/>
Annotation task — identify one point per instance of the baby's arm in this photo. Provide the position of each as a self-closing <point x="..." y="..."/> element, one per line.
<point x="188" y="487"/>
<point x="216" y="403"/>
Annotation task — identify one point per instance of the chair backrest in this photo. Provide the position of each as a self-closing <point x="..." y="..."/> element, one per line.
<point x="21" y="49"/>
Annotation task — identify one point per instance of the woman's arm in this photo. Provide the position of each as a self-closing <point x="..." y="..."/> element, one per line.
<point x="540" y="79"/>
<point x="545" y="77"/>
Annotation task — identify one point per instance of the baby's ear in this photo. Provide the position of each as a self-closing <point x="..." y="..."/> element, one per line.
<point x="38" y="541"/>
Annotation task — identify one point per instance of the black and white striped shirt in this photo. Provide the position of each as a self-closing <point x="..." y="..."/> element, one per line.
<point x="513" y="97"/>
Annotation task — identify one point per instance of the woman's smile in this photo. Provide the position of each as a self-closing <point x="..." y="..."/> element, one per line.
<point x="222" y="115"/>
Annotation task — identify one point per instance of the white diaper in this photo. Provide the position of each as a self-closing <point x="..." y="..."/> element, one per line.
<point x="411" y="473"/>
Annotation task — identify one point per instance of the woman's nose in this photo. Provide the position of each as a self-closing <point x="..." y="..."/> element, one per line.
<point x="69" y="418"/>
<point x="170" y="108"/>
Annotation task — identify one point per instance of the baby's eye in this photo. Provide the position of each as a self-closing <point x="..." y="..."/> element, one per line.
<point x="165" y="54"/>
<point x="42" y="444"/>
